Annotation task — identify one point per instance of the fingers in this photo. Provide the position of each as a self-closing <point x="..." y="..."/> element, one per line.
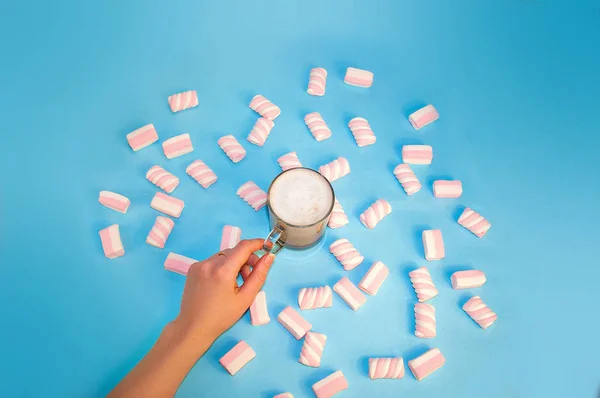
<point x="255" y="281"/>
<point x="240" y="254"/>
<point x="252" y="260"/>
<point x="245" y="272"/>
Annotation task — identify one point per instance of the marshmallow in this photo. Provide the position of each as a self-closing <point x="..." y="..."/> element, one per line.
<point x="424" y="321"/>
<point x="335" y="169"/>
<point x="200" y="172"/>
<point x="423" y="284"/>
<point x="315" y="297"/>
<point x="346" y="254"/>
<point x="230" y="237"/>
<point x="177" y="146"/>
<point x="417" y="154"/>
<point x="375" y="213"/>
<point x="447" y="189"/>
<point x="317" y="81"/>
<point x="111" y="242"/>
<point x="312" y="349"/>
<point x="474" y="222"/>
<point x="167" y="204"/>
<point x="160" y="232"/>
<point x="289" y="161"/>
<point x="386" y="368"/>
<point x="433" y="244"/>
<point x="426" y="364"/>
<point x="260" y="132"/>
<point x="237" y="357"/>
<point x="162" y="179"/>
<point x="358" y="77"/>
<point x="142" y="137"/>
<point x="424" y="116"/>
<point x="374" y="278"/>
<point x="480" y="312"/>
<point x="284" y="395"/>
<point x="259" y="314"/>
<point x="182" y="101"/>
<point x="331" y="385"/>
<point x="361" y="130"/>
<point x="317" y="126"/>
<point x="338" y="217"/>
<point x="293" y="322"/>
<point x="349" y="293"/>
<point x="407" y="178"/>
<point x="232" y="148"/>
<point x="467" y="279"/>
<point x="252" y="195"/>
<point x="178" y="263"/>
<point x="264" y="107"/>
<point x="114" y="201"/>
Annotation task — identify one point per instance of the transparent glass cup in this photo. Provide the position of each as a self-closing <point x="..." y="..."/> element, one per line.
<point x="284" y="234"/>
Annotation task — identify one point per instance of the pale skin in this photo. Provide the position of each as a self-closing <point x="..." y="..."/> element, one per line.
<point x="212" y="302"/>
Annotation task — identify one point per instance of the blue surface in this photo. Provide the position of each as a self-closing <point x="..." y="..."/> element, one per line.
<point x="518" y="90"/>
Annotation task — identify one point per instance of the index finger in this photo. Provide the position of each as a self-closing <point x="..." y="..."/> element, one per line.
<point x="238" y="256"/>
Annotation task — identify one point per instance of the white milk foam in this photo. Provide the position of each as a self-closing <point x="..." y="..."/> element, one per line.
<point x="300" y="197"/>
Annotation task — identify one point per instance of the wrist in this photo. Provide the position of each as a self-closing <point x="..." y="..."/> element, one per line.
<point x="195" y="340"/>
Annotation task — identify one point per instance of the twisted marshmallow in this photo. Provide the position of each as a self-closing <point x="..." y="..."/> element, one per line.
<point x="375" y="213"/>
<point x="424" y="321"/>
<point x="386" y="368"/>
<point x="232" y="148"/>
<point x="160" y="232"/>
<point x="289" y="161"/>
<point x="264" y="107"/>
<point x="162" y="179"/>
<point x="260" y="132"/>
<point x="182" y="101"/>
<point x="338" y="217"/>
<point x="252" y="195"/>
<point x="346" y="254"/>
<point x="480" y="312"/>
<point x="423" y="284"/>
<point x="317" y="80"/>
<point x="312" y="349"/>
<point x="361" y="130"/>
<point x="317" y="126"/>
<point x="315" y="297"/>
<point x="336" y="169"/>
<point x="474" y="222"/>
<point x="200" y="172"/>
<point x="407" y="178"/>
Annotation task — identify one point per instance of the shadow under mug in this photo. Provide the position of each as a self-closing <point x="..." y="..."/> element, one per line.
<point x="284" y="234"/>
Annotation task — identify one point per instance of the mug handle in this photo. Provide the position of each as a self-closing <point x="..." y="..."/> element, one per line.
<point x="275" y="241"/>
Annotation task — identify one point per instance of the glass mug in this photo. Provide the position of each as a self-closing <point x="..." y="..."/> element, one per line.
<point x="300" y="202"/>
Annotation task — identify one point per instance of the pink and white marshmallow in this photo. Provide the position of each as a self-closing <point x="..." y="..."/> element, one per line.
<point x="289" y="161"/>
<point x="177" y="146"/>
<point x="417" y="154"/>
<point x="361" y="130"/>
<point x="284" y="395"/>
<point x="474" y="222"/>
<point x="407" y="178"/>
<point x="264" y="107"/>
<point x="358" y="77"/>
<point x="346" y="254"/>
<point x="335" y="169"/>
<point x="259" y="314"/>
<point x="312" y="349"/>
<point x="178" y="263"/>
<point x="338" y="217"/>
<point x="232" y="148"/>
<point x="200" y="172"/>
<point x="374" y="278"/>
<point x="114" y="201"/>
<point x="467" y="279"/>
<point x="480" y="312"/>
<point x="331" y="385"/>
<point x="447" y="189"/>
<point x="182" y="101"/>
<point x="293" y="322"/>
<point x="433" y="244"/>
<point x="386" y="368"/>
<point x="375" y="213"/>
<point x="237" y="357"/>
<point x="317" y="126"/>
<point x="349" y="293"/>
<point x="260" y="132"/>
<point x="230" y="237"/>
<point x="424" y="116"/>
<point x="317" y="81"/>
<point x="167" y="204"/>
<point x="111" y="242"/>
<point x="426" y="364"/>
<point x="253" y="195"/>
<point x="142" y="137"/>
<point x="423" y="284"/>
<point x="315" y="297"/>
<point x="162" y="179"/>
<point x="160" y="232"/>
<point x="424" y="321"/>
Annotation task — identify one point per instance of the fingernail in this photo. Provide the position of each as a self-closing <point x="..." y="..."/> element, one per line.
<point x="270" y="259"/>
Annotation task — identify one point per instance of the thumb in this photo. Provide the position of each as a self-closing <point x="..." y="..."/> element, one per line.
<point x="257" y="278"/>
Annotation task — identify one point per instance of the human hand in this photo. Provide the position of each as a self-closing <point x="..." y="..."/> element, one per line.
<point x="212" y="300"/>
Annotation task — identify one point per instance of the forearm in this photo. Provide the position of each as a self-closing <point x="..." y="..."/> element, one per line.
<point x="162" y="370"/>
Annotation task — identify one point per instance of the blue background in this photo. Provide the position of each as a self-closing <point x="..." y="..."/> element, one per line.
<point x="517" y="85"/>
